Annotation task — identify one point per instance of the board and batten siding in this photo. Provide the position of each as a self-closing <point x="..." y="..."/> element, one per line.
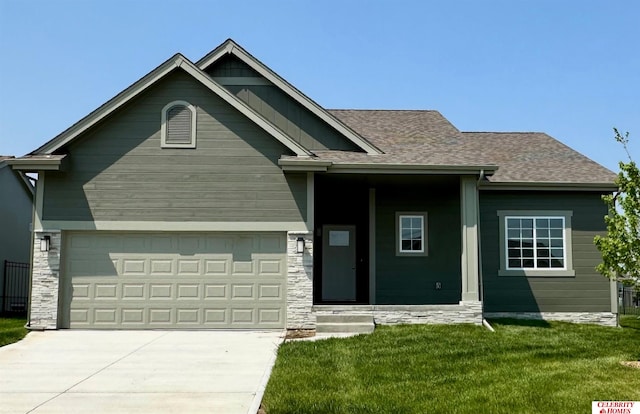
<point x="118" y="170"/>
<point x="587" y="291"/>
<point x="279" y="108"/>
<point x="402" y="280"/>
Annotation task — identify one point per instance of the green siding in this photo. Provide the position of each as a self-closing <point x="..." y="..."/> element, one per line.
<point x="588" y="291"/>
<point x="118" y="170"/>
<point x="280" y="109"/>
<point x="411" y="280"/>
<point x="231" y="66"/>
<point x="296" y="121"/>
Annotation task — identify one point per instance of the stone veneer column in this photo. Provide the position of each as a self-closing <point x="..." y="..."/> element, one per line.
<point x="45" y="282"/>
<point x="300" y="282"/>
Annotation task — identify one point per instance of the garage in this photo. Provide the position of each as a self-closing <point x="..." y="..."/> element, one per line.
<point x="124" y="280"/>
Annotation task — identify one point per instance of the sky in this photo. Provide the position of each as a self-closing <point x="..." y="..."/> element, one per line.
<point x="569" y="68"/>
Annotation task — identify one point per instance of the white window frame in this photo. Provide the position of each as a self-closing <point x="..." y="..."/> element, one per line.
<point x="163" y="125"/>
<point x="424" y="229"/>
<point x="565" y="271"/>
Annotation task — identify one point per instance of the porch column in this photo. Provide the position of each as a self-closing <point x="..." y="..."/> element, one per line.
<point x="469" y="219"/>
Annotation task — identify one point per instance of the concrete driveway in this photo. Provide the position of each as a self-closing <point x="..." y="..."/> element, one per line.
<point x="139" y="372"/>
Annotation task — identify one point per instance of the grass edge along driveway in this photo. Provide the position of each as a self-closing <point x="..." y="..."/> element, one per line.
<point x="12" y="330"/>
<point x="523" y="367"/>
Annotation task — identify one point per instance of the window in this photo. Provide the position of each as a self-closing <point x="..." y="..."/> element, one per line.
<point x="411" y="230"/>
<point x="178" y="129"/>
<point x="535" y="243"/>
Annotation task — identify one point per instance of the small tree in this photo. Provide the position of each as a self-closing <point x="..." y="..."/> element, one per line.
<point x="620" y="248"/>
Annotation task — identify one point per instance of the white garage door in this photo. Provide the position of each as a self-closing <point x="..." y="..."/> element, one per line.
<point x="116" y="280"/>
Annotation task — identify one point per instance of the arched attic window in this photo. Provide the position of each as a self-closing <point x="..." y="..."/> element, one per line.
<point x="178" y="129"/>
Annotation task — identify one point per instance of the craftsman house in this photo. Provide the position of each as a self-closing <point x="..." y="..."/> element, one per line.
<point x="215" y="194"/>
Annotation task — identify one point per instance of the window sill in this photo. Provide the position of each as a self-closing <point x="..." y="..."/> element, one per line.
<point x="411" y="254"/>
<point x="537" y="273"/>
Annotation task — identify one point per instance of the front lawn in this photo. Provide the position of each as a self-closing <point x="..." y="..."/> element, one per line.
<point x="11" y="330"/>
<point x="523" y="367"/>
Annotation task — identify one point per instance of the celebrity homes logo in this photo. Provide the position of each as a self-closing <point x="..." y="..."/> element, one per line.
<point x="615" y="407"/>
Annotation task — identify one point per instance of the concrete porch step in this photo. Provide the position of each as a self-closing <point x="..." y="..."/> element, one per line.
<point x="344" y="323"/>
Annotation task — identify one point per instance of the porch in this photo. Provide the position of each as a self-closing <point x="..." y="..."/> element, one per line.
<point x="360" y="267"/>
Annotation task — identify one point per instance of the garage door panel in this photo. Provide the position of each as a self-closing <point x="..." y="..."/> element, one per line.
<point x="158" y="280"/>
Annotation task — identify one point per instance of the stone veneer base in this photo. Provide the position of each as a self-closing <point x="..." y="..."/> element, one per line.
<point x="598" y="318"/>
<point x="464" y="312"/>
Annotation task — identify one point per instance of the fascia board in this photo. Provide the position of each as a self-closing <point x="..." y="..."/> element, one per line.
<point x="255" y="64"/>
<point x="111" y="105"/>
<point x="304" y="165"/>
<point x="177" y="61"/>
<point x="374" y="168"/>
<point x="547" y="186"/>
<point x="36" y="164"/>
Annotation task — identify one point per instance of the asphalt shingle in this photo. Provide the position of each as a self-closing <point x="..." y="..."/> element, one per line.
<point x="428" y="138"/>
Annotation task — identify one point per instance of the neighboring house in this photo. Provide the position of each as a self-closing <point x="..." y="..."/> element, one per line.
<point x="216" y="195"/>
<point x="16" y="198"/>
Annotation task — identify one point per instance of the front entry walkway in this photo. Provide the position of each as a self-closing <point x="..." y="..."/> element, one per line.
<point x="137" y="371"/>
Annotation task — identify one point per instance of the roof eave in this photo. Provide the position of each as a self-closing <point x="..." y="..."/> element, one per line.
<point x="107" y="108"/>
<point x="313" y="164"/>
<point x="385" y="168"/>
<point x="548" y="186"/>
<point x="177" y="61"/>
<point x="304" y="165"/>
<point x="35" y="164"/>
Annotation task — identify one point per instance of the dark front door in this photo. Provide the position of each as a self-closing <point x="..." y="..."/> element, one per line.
<point x="339" y="263"/>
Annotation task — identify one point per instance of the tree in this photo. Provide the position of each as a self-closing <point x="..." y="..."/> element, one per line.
<point x="620" y="248"/>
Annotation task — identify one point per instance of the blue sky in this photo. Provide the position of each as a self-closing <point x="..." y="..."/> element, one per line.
<point x="567" y="68"/>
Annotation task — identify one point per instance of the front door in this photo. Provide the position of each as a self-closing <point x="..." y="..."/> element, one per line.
<point x="339" y="263"/>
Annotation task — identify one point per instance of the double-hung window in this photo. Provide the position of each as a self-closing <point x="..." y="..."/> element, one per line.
<point x="411" y="230"/>
<point x="535" y="243"/>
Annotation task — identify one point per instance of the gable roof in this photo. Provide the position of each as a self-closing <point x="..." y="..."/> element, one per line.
<point x="177" y="61"/>
<point x="426" y="138"/>
<point x="231" y="47"/>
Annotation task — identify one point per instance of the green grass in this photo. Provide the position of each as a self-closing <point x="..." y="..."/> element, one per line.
<point x="630" y="321"/>
<point x="11" y="330"/>
<point x="524" y="367"/>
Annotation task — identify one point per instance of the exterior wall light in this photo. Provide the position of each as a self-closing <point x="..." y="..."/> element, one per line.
<point x="45" y="243"/>
<point x="300" y="245"/>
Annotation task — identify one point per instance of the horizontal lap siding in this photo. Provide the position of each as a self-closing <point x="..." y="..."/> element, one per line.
<point x="118" y="171"/>
<point x="588" y="291"/>
<point x="411" y="280"/>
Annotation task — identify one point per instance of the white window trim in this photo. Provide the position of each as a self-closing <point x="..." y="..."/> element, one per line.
<point x="425" y="235"/>
<point x="504" y="270"/>
<point x="163" y="125"/>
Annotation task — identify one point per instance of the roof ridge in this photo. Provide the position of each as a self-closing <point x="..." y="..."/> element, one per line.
<point x="503" y="132"/>
<point x="383" y="110"/>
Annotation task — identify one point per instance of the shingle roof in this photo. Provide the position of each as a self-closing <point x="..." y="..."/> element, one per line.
<point x="427" y="138"/>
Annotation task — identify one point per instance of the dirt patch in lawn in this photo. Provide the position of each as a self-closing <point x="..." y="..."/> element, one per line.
<point x="300" y="333"/>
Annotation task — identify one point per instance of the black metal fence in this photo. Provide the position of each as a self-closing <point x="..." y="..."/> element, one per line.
<point x="629" y="301"/>
<point x="15" y="292"/>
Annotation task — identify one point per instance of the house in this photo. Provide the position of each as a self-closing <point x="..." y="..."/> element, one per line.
<point x="16" y="198"/>
<point x="215" y="194"/>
